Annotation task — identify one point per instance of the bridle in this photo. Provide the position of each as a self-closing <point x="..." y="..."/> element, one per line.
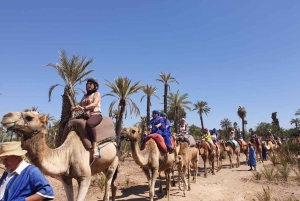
<point x="26" y="125"/>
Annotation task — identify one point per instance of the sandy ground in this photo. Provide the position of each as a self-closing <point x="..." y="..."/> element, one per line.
<point x="228" y="184"/>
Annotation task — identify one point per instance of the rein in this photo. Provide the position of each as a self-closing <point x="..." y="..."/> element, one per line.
<point x="26" y="125"/>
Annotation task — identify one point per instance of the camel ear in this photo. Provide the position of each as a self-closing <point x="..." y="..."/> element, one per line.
<point x="43" y="118"/>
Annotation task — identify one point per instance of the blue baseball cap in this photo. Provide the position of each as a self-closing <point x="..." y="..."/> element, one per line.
<point x="163" y="114"/>
<point x="155" y="112"/>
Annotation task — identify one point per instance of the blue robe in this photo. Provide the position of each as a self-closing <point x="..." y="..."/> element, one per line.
<point x="252" y="157"/>
<point x="161" y="130"/>
<point x="29" y="182"/>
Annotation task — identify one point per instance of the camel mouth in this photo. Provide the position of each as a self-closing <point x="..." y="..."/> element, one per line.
<point x="7" y="124"/>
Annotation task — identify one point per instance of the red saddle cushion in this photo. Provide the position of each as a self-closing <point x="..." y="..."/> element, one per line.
<point x="205" y="144"/>
<point x="159" y="141"/>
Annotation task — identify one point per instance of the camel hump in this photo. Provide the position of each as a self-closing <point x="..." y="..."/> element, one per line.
<point x="159" y="140"/>
<point x="104" y="130"/>
<point x="242" y="143"/>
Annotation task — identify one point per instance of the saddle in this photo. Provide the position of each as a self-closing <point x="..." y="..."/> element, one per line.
<point x="229" y="143"/>
<point x="242" y="143"/>
<point x="104" y="130"/>
<point x="205" y="144"/>
<point x="159" y="140"/>
<point x="272" y="140"/>
<point x="257" y="142"/>
<point x="186" y="138"/>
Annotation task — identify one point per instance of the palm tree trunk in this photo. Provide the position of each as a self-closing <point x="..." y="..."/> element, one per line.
<point x="64" y="118"/>
<point x="243" y="128"/>
<point x="120" y="119"/>
<point x="176" y="120"/>
<point x="148" y="109"/>
<point x="165" y="98"/>
<point x="201" y="119"/>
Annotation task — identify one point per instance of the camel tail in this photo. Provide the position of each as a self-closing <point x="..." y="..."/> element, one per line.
<point x="115" y="174"/>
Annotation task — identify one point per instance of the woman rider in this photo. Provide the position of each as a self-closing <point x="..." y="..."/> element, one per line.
<point x="90" y="103"/>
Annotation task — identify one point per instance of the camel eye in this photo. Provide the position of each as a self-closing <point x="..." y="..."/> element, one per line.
<point x="133" y="131"/>
<point x="28" y="118"/>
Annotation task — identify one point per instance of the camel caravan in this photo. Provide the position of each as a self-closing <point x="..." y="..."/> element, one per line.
<point x="74" y="158"/>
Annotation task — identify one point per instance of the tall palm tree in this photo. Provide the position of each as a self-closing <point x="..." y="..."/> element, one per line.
<point x="296" y="122"/>
<point x="149" y="91"/>
<point x="225" y="124"/>
<point x="176" y="102"/>
<point x="242" y="114"/>
<point x="297" y="113"/>
<point x="72" y="71"/>
<point x="166" y="79"/>
<point x="202" y="107"/>
<point x="121" y="89"/>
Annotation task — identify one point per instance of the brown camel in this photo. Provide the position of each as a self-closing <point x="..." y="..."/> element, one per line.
<point x="70" y="160"/>
<point x="151" y="159"/>
<point x="244" y="149"/>
<point x="231" y="152"/>
<point x="206" y="154"/>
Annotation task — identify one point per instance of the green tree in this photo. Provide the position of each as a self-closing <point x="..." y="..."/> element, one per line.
<point x="72" y="71"/>
<point x="195" y="131"/>
<point x="297" y="113"/>
<point x="166" y="79"/>
<point x="176" y="102"/>
<point x="122" y="89"/>
<point x="201" y="107"/>
<point x="242" y="114"/>
<point x="235" y="125"/>
<point x="296" y="122"/>
<point x="149" y="91"/>
<point x="225" y="124"/>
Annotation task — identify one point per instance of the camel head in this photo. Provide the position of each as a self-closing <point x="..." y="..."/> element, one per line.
<point x="26" y="123"/>
<point x="131" y="133"/>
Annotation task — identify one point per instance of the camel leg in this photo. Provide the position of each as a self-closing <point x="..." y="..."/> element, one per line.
<point x="204" y="161"/>
<point x="189" y="176"/>
<point x="184" y="179"/>
<point x="213" y="164"/>
<point x="179" y="170"/>
<point x="147" y="173"/>
<point x="110" y="176"/>
<point x="83" y="187"/>
<point x="155" y="174"/>
<point x="231" y="165"/>
<point x="113" y="186"/>
<point x="173" y="176"/>
<point x="160" y="184"/>
<point x="237" y="161"/>
<point x="68" y="186"/>
<point x="168" y="181"/>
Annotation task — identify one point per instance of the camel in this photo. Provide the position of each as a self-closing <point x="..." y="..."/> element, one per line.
<point x="231" y="152"/>
<point x="183" y="166"/>
<point x="244" y="149"/>
<point x="70" y="160"/>
<point x="206" y="154"/>
<point x="270" y="147"/>
<point x="151" y="159"/>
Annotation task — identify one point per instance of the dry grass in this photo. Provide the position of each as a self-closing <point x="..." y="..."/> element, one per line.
<point x="269" y="173"/>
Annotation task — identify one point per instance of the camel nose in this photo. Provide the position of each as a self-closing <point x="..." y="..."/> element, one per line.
<point x="8" y="115"/>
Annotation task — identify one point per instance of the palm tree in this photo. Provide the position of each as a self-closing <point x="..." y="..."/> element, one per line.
<point x="166" y="79"/>
<point x="72" y="71"/>
<point x="149" y="91"/>
<point x="242" y="114"/>
<point x="177" y="102"/>
<point x="225" y="124"/>
<point x="296" y="122"/>
<point x="297" y="113"/>
<point x="202" y="107"/>
<point x="121" y="89"/>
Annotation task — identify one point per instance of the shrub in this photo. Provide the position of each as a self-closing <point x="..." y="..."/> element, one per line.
<point x="257" y="175"/>
<point x="101" y="182"/>
<point x="265" y="195"/>
<point x="269" y="173"/>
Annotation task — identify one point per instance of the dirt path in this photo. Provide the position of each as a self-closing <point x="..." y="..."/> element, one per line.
<point x="228" y="184"/>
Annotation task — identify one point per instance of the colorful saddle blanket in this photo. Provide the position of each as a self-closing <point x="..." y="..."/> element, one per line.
<point x="159" y="141"/>
<point x="234" y="143"/>
<point x="207" y="145"/>
<point x="242" y="143"/>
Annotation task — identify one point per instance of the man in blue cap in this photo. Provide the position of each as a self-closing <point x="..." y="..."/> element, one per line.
<point x="167" y="122"/>
<point x="158" y="126"/>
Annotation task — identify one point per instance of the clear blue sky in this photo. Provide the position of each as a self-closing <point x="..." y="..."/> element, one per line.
<point x="227" y="53"/>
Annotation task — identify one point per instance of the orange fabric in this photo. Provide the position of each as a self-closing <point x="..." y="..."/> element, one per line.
<point x="159" y="141"/>
<point x="207" y="145"/>
<point x="217" y="144"/>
